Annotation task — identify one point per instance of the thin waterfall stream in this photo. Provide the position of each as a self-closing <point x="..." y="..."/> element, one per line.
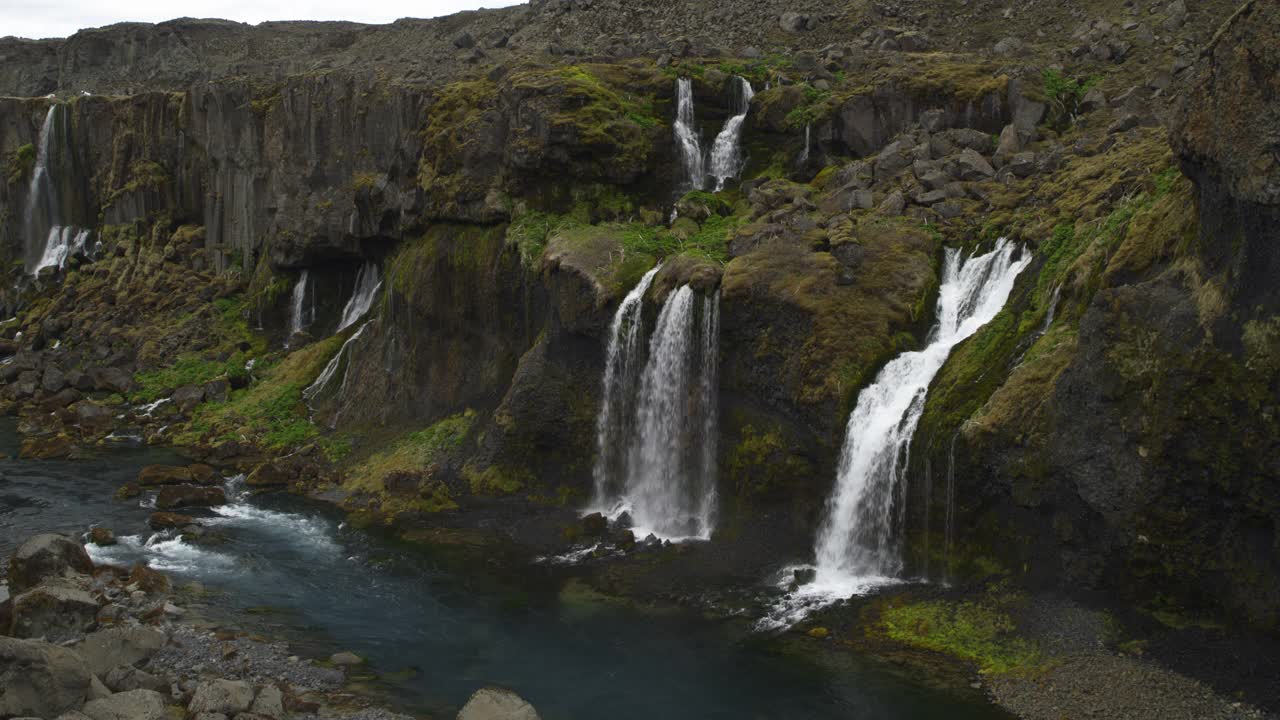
<point x="858" y="545"/>
<point x="50" y="240"/>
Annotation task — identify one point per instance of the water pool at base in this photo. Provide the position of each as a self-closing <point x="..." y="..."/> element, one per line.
<point x="436" y="632"/>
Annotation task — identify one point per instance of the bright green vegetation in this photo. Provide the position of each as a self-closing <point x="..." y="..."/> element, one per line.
<point x="21" y="162"/>
<point x="496" y="480"/>
<point x="982" y="632"/>
<point x="270" y="411"/>
<point x="1065" y="93"/>
<point x="403" y="475"/>
<point x="231" y="329"/>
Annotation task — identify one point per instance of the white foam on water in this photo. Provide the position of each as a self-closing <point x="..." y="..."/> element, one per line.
<point x="162" y="552"/>
<point x="312" y="532"/>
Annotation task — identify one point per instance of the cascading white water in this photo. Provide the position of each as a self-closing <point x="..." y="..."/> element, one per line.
<point x="331" y="368"/>
<point x="298" y="318"/>
<point x="658" y="451"/>
<point x="726" y="151"/>
<point x="858" y="544"/>
<point x="368" y="283"/>
<point x="49" y="241"/>
<point x="686" y="131"/>
<point x="617" y="397"/>
<point x="804" y="154"/>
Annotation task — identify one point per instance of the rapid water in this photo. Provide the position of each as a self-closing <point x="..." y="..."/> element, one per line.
<point x="298" y="316"/>
<point x="438" y="626"/>
<point x="368" y="283"/>
<point x="692" y="162"/>
<point x="341" y="360"/>
<point x="726" y="151"/>
<point x="859" y="542"/>
<point x="657" y="428"/>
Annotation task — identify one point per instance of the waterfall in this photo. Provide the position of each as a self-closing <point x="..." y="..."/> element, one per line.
<point x="617" y="399"/>
<point x="726" y="152"/>
<point x="658" y="443"/>
<point x="367" y="285"/>
<point x="1053" y="308"/>
<point x="49" y="240"/>
<point x="687" y="141"/>
<point x="331" y="368"/>
<point x="858" y="544"/>
<point x="298" y="318"/>
<point x="804" y="154"/>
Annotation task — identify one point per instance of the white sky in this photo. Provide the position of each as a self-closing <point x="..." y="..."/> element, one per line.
<point x="59" y="18"/>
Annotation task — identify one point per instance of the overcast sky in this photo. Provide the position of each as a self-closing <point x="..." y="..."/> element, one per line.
<point x="60" y="18"/>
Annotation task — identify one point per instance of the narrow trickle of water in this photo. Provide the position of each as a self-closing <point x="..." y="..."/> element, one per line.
<point x="298" y="318"/>
<point x="623" y="362"/>
<point x="1053" y="308"/>
<point x="658" y="453"/>
<point x="949" y="531"/>
<point x="804" y="154"/>
<point x="331" y="368"/>
<point x="859" y="542"/>
<point x="368" y="283"/>
<point x="48" y="240"/>
<point x="686" y="131"/>
<point x="726" y="152"/>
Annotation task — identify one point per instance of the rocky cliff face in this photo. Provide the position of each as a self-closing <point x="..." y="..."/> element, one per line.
<point x="510" y="175"/>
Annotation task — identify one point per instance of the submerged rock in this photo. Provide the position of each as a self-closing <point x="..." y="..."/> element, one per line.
<point x="177" y="496"/>
<point x="497" y="704"/>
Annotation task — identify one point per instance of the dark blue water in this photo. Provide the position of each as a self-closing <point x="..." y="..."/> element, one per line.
<point x="437" y="631"/>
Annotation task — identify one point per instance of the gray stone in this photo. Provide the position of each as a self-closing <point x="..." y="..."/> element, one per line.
<point x="40" y="679"/>
<point x="1023" y="164"/>
<point x="972" y="166"/>
<point x="131" y="705"/>
<point x="497" y="704"/>
<point x="108" y="649"/>
<point x="73" y="715"/>
<point x="793" y="22"/>
<point x="1093" y="101"/>
<point x="55" y="612"/>
<point x="46" y="556"/>
<point x="343" y="659"/>
<point x="210" y="716"/>
<point x="222" y="696"/>
<point x="127" y="677"/>
<point x="187" y="397"/>
<point x="269" y="703"/>
<point x="1008" y="46"/>
<point x="1010" y="144"/>
<point x="893" y="205"/>
<point x="948" y="209"/>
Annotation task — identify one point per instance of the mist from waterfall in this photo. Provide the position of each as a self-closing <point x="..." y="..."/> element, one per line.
<point x="859" y="543"/>
<point x="726" y="152"/>
<point x="368" y="282"/>
<point x="656" y="434"/>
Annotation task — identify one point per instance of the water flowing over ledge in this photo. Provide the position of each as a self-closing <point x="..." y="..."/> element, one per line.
<point x="859" y="544"/>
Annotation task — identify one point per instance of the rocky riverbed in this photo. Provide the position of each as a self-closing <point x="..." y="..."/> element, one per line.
<point x="99" y="642"/>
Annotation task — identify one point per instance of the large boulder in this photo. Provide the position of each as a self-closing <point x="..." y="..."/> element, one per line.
<point x="169" y="520"/>
<point x="39" y="679"/>
<point x="46" y="556"/>
<point x="127" y="677"/>
<point x="108" y="649"/>
<point x="178" y="496"/>
<point x="227" y="697"/>
<point x="268" y="475"/>
<point x="55" y="612"/>
<point x="131" y="705"/>
<point x="497" y="704"/>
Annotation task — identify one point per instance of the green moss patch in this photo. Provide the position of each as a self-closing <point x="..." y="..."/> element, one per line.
<point x="982" y="632"/>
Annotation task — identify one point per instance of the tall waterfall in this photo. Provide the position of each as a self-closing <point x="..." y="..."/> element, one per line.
<point x="617" y="392"/>
<point x="726" y="151"/>
<point x="657" y="430"/>
<point x="368" y="283"/>
<point x="298" y="316"/>
<point x="686" y="131"/>
<point x="49" y="240"/>
<point x="859" y="541"/>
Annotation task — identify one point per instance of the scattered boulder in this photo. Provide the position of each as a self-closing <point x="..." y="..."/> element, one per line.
<point x="497" y="704"/>
<point x="106" y="650"/>
<point x="153" y="475"/>
<point x="178" y="496"/>
<point x="40" y="679"/>
<point x="126" y="677"/>
<point x="187" y="397"/>
<point x="595" y="524"/>
<point x="222" y="696"/>
<point x="893" y="204"/>
<point x="111" y="379"/>
<point x="269" y="703"/>
<point x="130" y="705"/>
<point x="267" y="475"/>
<point x="46" y="448"/>
<point x="148" y="580"/>
<point x="793" y="22"/>
<point x="1010" y="144"/>
<point x="102" y="537"/>
<point x="55" y="612"/>
<point x="169" y="520"/>
<point x="1023" y="164"/>
<point x="972" y="166"/>
<point x="46" y="556"/>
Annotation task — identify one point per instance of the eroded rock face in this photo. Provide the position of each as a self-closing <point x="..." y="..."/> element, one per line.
<point x="40" y="679"/>
<point x="53" y="611"/>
